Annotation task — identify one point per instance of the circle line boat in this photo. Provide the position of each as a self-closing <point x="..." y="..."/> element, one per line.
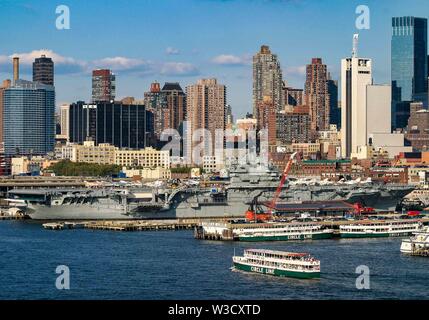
<point x="278" y="263"/>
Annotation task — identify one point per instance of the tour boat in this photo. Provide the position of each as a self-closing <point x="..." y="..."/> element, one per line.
<point x="383" y="228"/>
<point x="278" y="263"/>
<point x="418" y="244"/>
<point x="282" y="231"/>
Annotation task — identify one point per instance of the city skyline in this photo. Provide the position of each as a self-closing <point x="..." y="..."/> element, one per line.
<point x="160" y="52"/>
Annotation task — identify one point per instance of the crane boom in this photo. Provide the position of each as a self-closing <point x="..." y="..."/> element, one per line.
<point x="253" y="214"/>
<point x="282" y="181"/>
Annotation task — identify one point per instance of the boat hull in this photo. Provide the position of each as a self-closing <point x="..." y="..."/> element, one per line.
<point x="276" y="272"/>
<point x="375" y="235"/>
<point x="314" y="236"/>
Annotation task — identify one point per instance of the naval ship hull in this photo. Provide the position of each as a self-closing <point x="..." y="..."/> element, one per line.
<point x="199" y="204"/>
<point x="75" y="212"/>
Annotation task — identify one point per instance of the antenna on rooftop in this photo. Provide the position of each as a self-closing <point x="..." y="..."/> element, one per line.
<point x="355" y="45"/>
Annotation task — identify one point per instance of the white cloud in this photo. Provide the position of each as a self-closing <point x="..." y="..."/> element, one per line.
<point x="62" y="64"/>
<point x="178" y="69"/>
<point x="28" y="58"/>
<point x="119" y="63"/>
<point x="68" y="65"/>
<point x="231" y="60"/>
<point x="297" y="70"/>
<point x="172" y="51"/>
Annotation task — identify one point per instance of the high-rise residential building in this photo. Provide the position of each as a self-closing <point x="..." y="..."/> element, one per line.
<point x="356" y="74"/>
<point x="334" y="110"/>
<point x="267" y="79"/>
<point x="103" y="85"/>
<point x="267" y="119"/>
<point x="29" y="118"/>
<point x="409" y="62"/>
<point x="293" y="125"/>
<point x="64" y="120"/>
<point x="43" y="70"/>
<point x="122" y="125"/>
<point x="156" y="102"/>
<point x="6" y="84"/>
<point x="176" y="104"/>
<point x="205" y="109"/>
<point x="317" y="94"/>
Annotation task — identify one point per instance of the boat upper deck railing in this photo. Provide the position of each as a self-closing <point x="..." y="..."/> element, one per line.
<point x="268" y="253"/>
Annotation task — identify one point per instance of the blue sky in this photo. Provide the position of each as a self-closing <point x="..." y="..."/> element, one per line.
<point x="183" y="40"/>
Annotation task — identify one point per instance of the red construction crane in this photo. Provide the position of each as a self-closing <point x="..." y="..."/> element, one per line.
<point x="252" y="215"/>
<point x="282" y="182"/>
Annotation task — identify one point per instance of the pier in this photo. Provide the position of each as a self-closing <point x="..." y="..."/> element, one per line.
<point x="13" y="217"/>
<point x="132" y="225"/>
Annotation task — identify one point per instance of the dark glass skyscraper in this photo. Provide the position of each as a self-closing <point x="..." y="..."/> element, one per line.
<point x="409" y="63"/>
<point x="122" y="125"/>
<point x="43" y="70"/>
<point x="29" y="118"/>
<point x="334" y="110"/>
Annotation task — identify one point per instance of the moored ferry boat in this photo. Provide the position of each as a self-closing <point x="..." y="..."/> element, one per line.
<point x="385" y="228"/>
<point x="282" y="232"/>
<point x="418" y="244"/>
<point x="278" y="263"/>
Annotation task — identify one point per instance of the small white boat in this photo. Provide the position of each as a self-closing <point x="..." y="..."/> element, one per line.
<point x="418" y="244"/>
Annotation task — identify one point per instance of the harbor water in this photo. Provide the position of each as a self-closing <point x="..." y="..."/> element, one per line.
<point x="174" y="265"/>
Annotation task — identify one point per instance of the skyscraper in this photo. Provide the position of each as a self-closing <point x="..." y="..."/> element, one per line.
<point x="267" y="79"/>
<point x="356" y="74"/>
<point x="122" y="125"/>
<point x="334" y="110"/>
<point x="6" y="84"/>
<point x="267" y="119"/>
<point x="43" y="70"/>
<point x="103" y="85"/>
<point x="156" y="102"/>
<point x="409" y="63"/>
<point x="64" y="120"/>
<point x="205" y="107"/>
<point x="317" y="95"/>
<point x="176" y="104"/>
<point x="29" y="118"/>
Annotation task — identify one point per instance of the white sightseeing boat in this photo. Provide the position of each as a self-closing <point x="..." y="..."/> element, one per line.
<point x="383" y="228"/>
<point x="278" y="263"/>
<point x="282" y="231"/>
<point x="418" y="244"/>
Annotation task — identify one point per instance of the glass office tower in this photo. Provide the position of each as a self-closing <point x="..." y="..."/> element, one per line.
<point x="29" y="118"/>
<point x="409" y="64"/>
<point x="122" y="125"/>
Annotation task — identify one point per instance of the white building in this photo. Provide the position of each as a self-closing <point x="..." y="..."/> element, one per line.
<point x="64" y="121"/>
<point x="366" y="112"/>
<point x="356" y="74"/>
<point x="378" y="110"/>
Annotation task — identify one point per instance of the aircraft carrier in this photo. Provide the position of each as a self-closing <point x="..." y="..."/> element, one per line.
<point x="199" y="199"/>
